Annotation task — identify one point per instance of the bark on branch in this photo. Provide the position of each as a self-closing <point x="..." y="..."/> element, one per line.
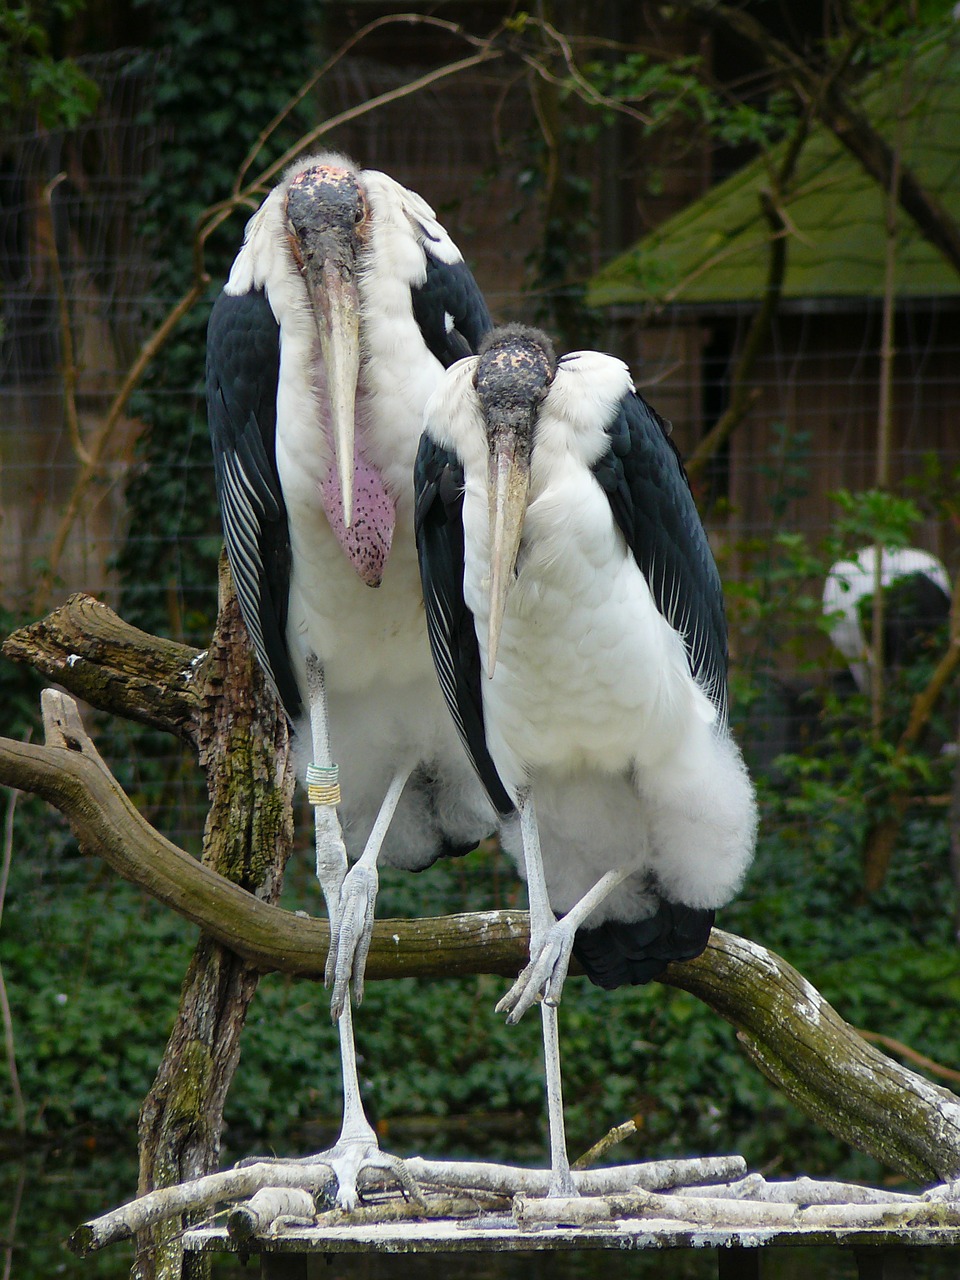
<point x="88" y="649"/>
<point x="786" y="1026"/>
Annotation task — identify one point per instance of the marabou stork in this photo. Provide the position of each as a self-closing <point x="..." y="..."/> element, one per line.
<point x="917" y="594"/>
<point x="343" y="307"/>
<point x="577" y="625"/>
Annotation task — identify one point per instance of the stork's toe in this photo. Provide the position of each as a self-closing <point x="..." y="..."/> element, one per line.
<point x="544" y="976"/>
<point x="350" y="936"/>
<point x="346" y="1161"/>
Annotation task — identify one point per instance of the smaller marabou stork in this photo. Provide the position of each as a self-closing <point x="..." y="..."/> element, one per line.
<point x="343" y="308"/>
<point x="577" y="626"/>
<point x="917" y="594"/>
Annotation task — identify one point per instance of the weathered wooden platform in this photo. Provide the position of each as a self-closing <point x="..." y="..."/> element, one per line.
<point x="300" y="1253"/>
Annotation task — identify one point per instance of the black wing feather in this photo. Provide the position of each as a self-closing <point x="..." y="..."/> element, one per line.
<point x="243" y="369"/>
<point x="643" y="477"/>
<point x="450" y="310"/>
<point x="438" y="484"/>
<point x="632" y="952"/>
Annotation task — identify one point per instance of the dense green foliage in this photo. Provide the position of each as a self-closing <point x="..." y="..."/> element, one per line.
<point x="32" y="76"/>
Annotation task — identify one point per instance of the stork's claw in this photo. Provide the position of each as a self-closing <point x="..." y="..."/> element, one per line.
<point x="544" y="976"/>
<point x="350" y="935"/>
<point x="346" y="1161"/>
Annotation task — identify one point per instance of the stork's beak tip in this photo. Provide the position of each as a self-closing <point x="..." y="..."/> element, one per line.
<point x="491" y="660"/>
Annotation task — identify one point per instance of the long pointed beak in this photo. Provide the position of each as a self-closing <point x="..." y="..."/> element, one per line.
<point x="336" y="305"/>
<point x="509" y="485"/>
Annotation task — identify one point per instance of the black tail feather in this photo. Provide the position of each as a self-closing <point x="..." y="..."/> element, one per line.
<point x="623" y="953"/>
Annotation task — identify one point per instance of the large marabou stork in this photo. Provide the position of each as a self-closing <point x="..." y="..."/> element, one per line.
<point x="577" y="624"/>
<point x="344" y="305"/>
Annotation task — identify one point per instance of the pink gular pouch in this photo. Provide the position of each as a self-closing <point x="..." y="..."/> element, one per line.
<point x="367" y="542"/>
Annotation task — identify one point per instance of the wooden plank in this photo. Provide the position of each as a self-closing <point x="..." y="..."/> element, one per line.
<point x="499" y="1236"/>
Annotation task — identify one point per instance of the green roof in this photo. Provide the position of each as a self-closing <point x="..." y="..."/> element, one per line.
<point x="716" y="250"/>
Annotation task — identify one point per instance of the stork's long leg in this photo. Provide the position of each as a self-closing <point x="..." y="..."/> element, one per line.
<point x="331" y="872"/>
<point x="357" y="1145"/>
<point x="542" y="920"/>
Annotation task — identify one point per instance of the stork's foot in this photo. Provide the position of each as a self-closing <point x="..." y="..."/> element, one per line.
<point x="346" y="1161"/>
<point x="544" y="976"/>
<point x="350" y="935"/>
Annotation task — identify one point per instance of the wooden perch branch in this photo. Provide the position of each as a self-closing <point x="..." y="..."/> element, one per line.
<point x="786" y="1026"/>
<point x="236" y="1184"/>
<point x="88" y="649"/>
<point x="70" y="775"/>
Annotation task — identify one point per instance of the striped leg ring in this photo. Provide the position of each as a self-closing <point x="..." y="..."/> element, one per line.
<point x="323" y="784"/>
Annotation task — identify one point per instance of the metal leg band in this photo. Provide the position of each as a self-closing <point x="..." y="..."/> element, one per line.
<point x="323" y="784"/>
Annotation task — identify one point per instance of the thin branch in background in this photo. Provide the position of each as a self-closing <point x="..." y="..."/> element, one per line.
<point x="881" y="839"/>
<point x="104" y="435"/>
<point x="885" y="405"/>
<point x="409" y="19"/>
<point x="12" y="1228"/>
<point x="9" y="1041"/>
<point x="918" y="1059"/>
<point x="68" y="367"/>
<point x="487" y="54"/>
<point x="953" y="821"/>
<point x="587" y="92"/>
<point x="742" y="396"/>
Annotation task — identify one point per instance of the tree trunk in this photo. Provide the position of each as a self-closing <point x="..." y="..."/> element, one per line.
<point x="244" y="747"/>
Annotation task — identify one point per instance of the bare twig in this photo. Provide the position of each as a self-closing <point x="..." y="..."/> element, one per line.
<point x="918" y="1059"/>
<point x="881" y="839"/>
<point x="11" y="1233"/>
<point x="486" y="54"/>
<point x="68" y="367"/>
<point x="742" y="396"/>
<point x="9" y="1039"/>
<point x="609" y="1140"/>
<point x="392" y="19"/>
<point x="98" y="447"/>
